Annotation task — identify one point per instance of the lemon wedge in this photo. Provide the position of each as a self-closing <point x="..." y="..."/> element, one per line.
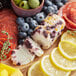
<point x="4" y="73"/>
<point x="17" y="73"/>
<point x="11" y="71"/>
<point x="35" y="70"/>
<point x="8" y="68"/>
<point x="67" y="49"/>
<point x="61" y="62"/>
<point x="69" y="36"/>
<point x="50" y="70"/>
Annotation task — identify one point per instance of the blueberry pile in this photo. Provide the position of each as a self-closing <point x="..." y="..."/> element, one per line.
<point x="49" y="7"/>
<point x="52" y="6"/>
<point x="28" y="24"/>
<point x="25" y="27"/>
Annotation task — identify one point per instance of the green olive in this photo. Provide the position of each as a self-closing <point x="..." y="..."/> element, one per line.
<point x="24" y="4"/>
<point x="34" y="3"/>
<point x="17" y="1"/>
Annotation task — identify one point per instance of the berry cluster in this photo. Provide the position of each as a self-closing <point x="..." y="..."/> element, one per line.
<point x="26" y="27"/>
<point x="52" y="6"/>
<point x="28" y="24"/>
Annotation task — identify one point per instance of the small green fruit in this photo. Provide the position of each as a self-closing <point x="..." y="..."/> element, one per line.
<point x="24" y="4"/>
<point x="34" y="3"/>
<point x="17" y="1"/>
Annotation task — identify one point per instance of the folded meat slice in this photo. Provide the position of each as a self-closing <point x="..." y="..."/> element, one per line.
<point x="46" y="35"/>
<point x="22" y="56"/>
<point x="33" y="47"/>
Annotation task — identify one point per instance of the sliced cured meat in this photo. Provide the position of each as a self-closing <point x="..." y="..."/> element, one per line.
<point x="11" y="31"/>
<point x="7" y="24"/>
<point x="1" y="44"/>
<point x="66" y="8"/>
<point x="3" y="40"/>
<point x="69" y="27"/>
<point x="73" y="15"/>
<point x="68" y="12"/>
<point x="5" y="49"/>
<point x="6" y="18"/>
<point x="7" y="27"/>
<point x="7" y="12"/>
<point x="69" y="22"/>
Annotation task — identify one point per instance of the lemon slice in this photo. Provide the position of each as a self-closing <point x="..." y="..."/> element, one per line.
<point x="69" y="36"/>
<point x="35" y="70"/>
<point x="61" y="62"/>
<point x="50" y="70"/>
<point x="67" y="49"/>
<point x="17" y="73"/>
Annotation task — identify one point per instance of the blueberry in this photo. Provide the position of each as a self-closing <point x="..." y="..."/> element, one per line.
<point x="40" y="17"/>
<point x="44" y="8"/>
<point x="29" y="19"/>
<point x="22" y="35"/>
<point x="56" y="1"/>
<point x="19" y="28"/>
<point x="29" y="32"/>
<point x="34" y="17"/>
<point x="55" y="7"/>
<point x="50" y="9"/>
<point x="48" y="3"/>
<point x="20" y="41"/>
<point x="59" y="4"/>
<point x="20" y="20"/>
<point x="64" y="1"/>
<point x="25" y="27"/>
<point x="33" y="24"/>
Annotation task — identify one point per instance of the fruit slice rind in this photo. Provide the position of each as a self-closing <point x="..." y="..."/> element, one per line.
<point x="63" y="53"/>
<point x="69" y="37"/>
<point x="35" y="70"/>
<point x="58" y="65"/>
<point x="51" y="67"/>
<point x="43" y="67"/>
<point x="29" y="71"/>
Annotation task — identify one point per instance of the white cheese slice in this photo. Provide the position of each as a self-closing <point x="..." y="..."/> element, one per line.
<point x="22" y="56"/>
<point x="34" y="47"/>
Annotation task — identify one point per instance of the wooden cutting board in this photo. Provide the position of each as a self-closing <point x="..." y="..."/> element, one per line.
<point x="25" y="68"/>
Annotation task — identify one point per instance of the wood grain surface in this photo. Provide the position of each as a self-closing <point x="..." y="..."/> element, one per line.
<point x="25" y="68"/>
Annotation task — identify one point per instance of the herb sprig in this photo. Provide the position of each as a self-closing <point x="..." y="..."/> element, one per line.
<point x="5" y="49"/>
<point x="71" y="32"/>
